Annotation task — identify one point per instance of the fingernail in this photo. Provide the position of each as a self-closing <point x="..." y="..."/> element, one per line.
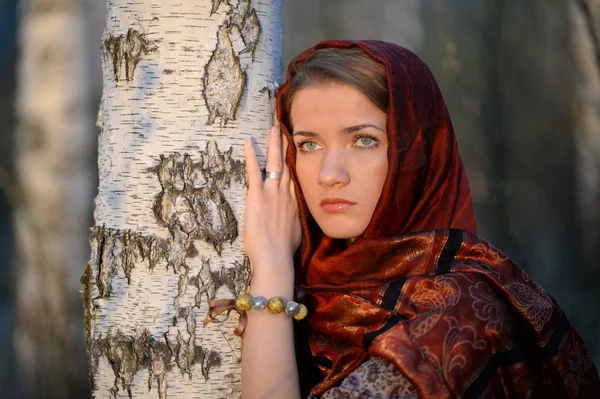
<point x="277" y="130"/>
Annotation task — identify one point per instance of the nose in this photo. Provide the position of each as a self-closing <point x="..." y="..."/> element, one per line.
<point x="333" y="170"/>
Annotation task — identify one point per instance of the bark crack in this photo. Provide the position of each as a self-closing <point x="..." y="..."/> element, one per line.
<point x="127" y="49"/>
<point x="114" y="249"/>
<point x="128" y="354"/>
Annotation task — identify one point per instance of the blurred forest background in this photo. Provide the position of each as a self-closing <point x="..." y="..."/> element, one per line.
<point x="521" y="79"/>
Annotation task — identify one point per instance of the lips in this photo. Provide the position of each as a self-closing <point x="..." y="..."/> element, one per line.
<point x="336" y="205"/>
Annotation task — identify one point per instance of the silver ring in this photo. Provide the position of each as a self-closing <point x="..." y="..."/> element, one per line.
<point x="273" y="175"/>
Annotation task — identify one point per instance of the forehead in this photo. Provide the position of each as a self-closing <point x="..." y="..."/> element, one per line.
<point x="332" y="105"/>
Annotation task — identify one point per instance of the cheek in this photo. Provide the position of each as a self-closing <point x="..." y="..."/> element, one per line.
<point x="307" y="176"/>
<point x="373" y="168"/>
<point x="372" y="178"/>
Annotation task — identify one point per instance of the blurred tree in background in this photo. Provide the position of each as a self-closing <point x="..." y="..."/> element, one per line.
<point x="54" y="146"/>
<point x="8" y="52"/>
<point x="522" y="81"/>
<point x="513" y="83"/>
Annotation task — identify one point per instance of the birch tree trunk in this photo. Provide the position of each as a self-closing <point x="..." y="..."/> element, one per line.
<point x="55" y="182"/>
<point x="184" y="84"/>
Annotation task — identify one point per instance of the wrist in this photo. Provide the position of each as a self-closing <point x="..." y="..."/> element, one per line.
<point x="276" y="281"/>
<point x="272" y="259"/>
<point x="270" y="286"/>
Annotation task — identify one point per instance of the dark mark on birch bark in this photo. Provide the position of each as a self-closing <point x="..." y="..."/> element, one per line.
<point x="207" y="282"/>
<point x="191" y="204"/>
<point x="208" y="359"/>
<point x="182" y="285"/>
<point x="220" y="167"/>
<point x="186" y="351"/>
<point x="250" y="29"/>
<point x="224" y="80"/>
<point x="129" y="50"/>
<point x="115" y="249"/>
<point x="215" y="6"/>
<point x="113" y="47"/>
<point x="179" y="246"/>
<point x="270" y="92"/>
<point x="104" y="277"/>
<point x="128" y="251"/>
<point x="154" y="249"/>
<point x="245" y="18"/>
<point x="129" y="354"/>
<point x="236" y="278"/>
<point x="87" y="315"/>
<point x="192" y="252"/>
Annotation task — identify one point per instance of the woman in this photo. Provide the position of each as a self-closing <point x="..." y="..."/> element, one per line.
<point x="404" y="300"/>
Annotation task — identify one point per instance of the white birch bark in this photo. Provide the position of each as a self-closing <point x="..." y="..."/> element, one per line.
<point x="184" y="84"/>
<point x="55" y="178"/>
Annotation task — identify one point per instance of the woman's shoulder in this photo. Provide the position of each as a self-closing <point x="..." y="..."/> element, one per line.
<point x="375" y="378"/>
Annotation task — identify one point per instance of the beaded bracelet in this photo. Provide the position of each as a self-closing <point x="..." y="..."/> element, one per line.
<point x="275" y="305"/>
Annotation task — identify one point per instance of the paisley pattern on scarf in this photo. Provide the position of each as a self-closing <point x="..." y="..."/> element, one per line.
<point x="578" y="367"/>
<point x="433" y="298"/>
<point x="532" y="300"/>
<point x="459" y="342"/>
<point x="487" y="308"/>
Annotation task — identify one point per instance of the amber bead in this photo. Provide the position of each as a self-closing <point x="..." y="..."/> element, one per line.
<point x="275" y="305"/>
<point x="243" y="302"/>
<point x="302" y="313"/>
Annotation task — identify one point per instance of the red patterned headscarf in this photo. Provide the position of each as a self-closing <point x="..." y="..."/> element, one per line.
<point x="418" y="287"/>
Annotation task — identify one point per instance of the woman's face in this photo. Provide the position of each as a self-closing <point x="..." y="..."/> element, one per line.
<point x="341" y="156"/>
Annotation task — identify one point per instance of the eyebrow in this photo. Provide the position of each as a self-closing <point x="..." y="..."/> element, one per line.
<point x="350" y="129"/>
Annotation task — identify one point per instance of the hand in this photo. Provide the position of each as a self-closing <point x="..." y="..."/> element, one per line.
<point x="272" y="230"/>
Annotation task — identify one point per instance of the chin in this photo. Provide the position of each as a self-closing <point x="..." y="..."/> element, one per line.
<point x="341" y="231"/>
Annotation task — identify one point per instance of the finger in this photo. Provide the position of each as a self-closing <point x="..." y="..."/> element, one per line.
<point x="284" y="145"/>
<point x="285" y="174"/>
<point x="285" y="177"/>
<point x="274" y="157"/>
<point x="252" y="166"/>
<point x="292" y="188"/>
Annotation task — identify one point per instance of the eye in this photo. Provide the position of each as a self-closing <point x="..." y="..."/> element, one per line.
<point x="366" y="141"/>
<point x="311" y="145"/>
<point x="307" y="146"/>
